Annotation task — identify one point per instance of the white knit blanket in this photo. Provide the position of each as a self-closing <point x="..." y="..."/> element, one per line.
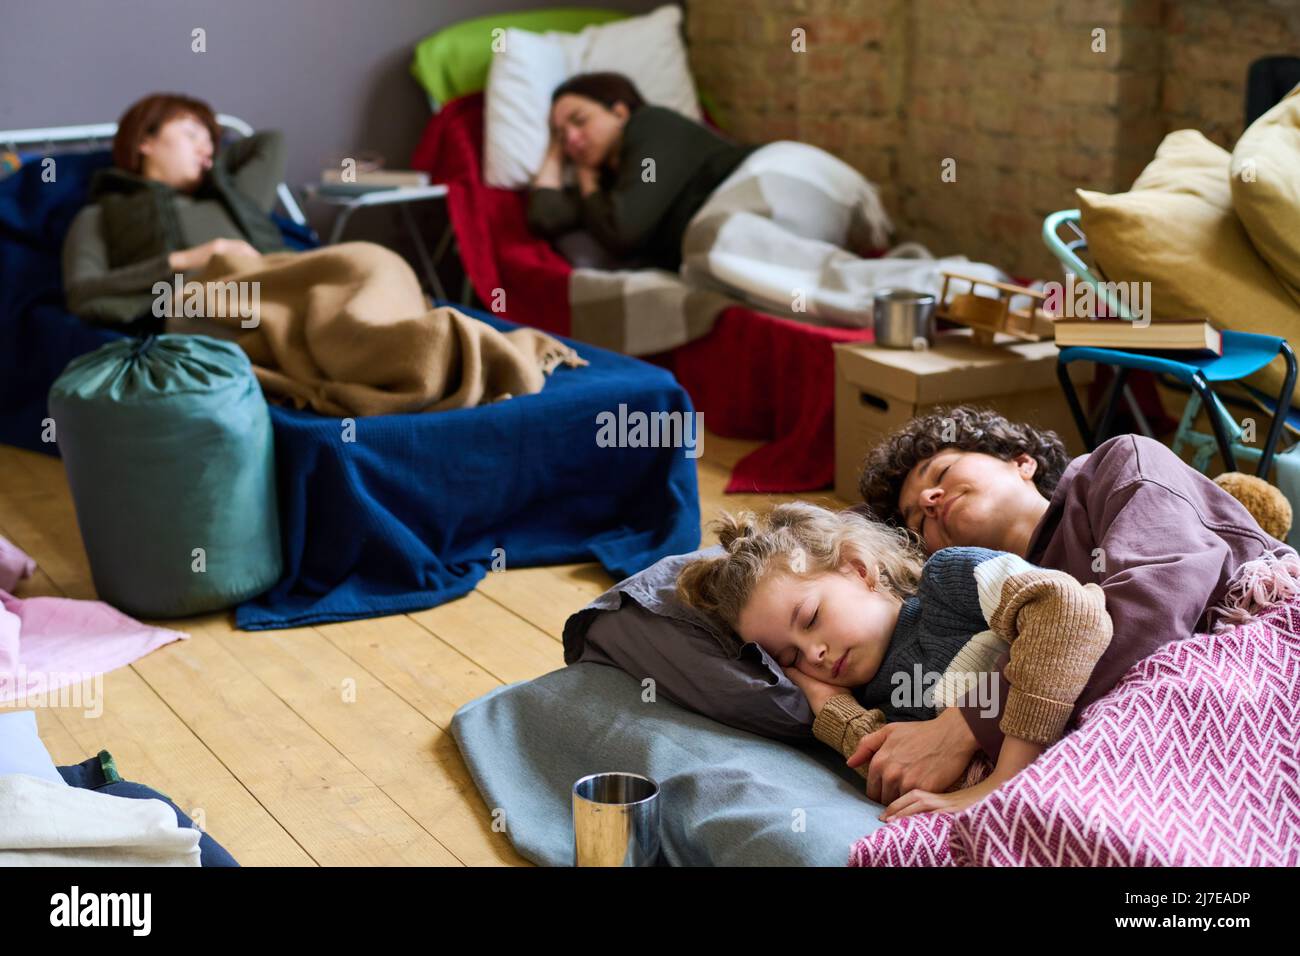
<point x="43" y="823"/>
<point x="784" y="233"/>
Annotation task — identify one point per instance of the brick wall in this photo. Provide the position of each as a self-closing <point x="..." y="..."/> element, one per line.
<point x="1209" y="45"/>
<point x="1023" y="100"/>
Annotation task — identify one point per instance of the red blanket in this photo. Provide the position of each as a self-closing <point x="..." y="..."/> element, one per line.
<point x="754" y="376"/>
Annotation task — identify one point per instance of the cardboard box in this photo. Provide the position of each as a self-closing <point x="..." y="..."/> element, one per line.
<point x="879" y="389"/>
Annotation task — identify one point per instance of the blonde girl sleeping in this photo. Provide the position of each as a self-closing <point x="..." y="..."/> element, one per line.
<point x="845" y="606"/>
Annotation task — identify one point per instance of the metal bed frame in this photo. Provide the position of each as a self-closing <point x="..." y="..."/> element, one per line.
<point x="97" y="133"/>
<point x="94" y="133"/>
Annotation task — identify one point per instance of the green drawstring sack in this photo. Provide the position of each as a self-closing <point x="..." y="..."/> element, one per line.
<point x="170" y="455"/>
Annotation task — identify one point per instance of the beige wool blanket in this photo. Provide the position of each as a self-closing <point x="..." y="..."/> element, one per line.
<point x="346" y="330"/>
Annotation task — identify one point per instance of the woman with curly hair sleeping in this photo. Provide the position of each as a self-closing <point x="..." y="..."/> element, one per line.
<point x="1174" y="553"/>
<point x="844" y="606"/>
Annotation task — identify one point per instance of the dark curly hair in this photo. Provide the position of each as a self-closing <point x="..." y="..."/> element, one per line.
<point x="971" y="429"/>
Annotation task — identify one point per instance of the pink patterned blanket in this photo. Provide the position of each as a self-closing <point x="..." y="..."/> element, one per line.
<point x="1192" y="760"/>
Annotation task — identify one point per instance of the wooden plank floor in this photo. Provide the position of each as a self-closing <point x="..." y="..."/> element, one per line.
<point x="318" y="745"/>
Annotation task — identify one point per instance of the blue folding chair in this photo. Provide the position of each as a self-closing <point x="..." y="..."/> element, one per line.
<point x="1244" y="353"/>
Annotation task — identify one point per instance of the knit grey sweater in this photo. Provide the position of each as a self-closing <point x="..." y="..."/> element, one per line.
<point x="972" y="607"/>
<point x="933" y="626"/>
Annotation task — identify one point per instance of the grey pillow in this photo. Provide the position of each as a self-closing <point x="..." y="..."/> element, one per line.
<point x="727" y="798"/>
<point x="640" y="626"/>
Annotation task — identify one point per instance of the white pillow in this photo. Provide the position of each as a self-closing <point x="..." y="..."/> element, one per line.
<point x="647" y="49"/>
<point x="517" y="104"/>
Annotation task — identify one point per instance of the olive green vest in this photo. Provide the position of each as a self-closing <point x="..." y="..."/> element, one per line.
<point x="139" y="216"/>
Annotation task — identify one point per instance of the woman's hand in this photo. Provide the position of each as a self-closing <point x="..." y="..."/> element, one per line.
<point x="588" y="180"/>
<point x="818" y="692"/>
<point x="555" y="149"/>
<point x="196" y="258"/>
<point x="1016" y="755"/>
<point x="916" y="754"/>
<point x="551" y="175"/>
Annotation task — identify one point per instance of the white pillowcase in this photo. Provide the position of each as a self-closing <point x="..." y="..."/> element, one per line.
<point x="648" y="50"/>
<point x="517" y="105"/>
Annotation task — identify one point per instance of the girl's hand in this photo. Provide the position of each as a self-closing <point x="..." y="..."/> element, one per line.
<point x="817" y="692"/>
<point x="923" y="801"/>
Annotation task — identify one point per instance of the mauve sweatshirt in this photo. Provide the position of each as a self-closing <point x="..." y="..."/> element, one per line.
<point x="1162" y="540"/>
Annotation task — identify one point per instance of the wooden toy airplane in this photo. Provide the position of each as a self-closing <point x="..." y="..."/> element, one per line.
<point x="987" y="316"/>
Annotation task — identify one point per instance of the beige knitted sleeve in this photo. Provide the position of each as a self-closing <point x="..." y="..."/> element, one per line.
<point x="843" y="722"/>
<point x="1058" y="629"/>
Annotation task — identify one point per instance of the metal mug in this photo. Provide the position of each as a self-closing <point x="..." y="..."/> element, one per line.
<point x="615" y="820"/>
<point x="904" y="319"/>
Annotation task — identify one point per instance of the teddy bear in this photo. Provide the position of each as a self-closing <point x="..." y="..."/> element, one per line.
<point x="1266" y="504"/>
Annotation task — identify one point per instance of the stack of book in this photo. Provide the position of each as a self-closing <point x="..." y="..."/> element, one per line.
<point x="1178" y="335"/>
<point x="333" y="183"/>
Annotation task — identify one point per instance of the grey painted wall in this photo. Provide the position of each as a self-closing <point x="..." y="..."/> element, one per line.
<point x="333" y="74"/>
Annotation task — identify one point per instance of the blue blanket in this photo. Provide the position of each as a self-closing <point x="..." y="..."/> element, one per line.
<point x="418" y="508"/>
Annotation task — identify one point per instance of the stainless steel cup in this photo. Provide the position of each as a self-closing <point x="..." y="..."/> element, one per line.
<point x="904" y="319"/>
<point x="615" y="820"/>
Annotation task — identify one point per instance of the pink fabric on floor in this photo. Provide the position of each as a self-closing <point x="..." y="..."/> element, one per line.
<point x="52" y="642"/>
<point x="1191" y="760"/>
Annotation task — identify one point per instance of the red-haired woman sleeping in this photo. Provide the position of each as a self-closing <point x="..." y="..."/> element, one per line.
<point x="170" y="201"/>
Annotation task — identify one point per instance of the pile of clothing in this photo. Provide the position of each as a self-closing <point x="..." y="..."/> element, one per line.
<point x="84" y="814"/>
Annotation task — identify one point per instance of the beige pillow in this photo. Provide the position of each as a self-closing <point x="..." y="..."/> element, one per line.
<point x="1266" y="187"/>
<point x="1176" y="228"/>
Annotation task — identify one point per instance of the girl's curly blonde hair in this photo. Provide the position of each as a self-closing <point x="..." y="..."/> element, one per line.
<point x="796" y="538"/>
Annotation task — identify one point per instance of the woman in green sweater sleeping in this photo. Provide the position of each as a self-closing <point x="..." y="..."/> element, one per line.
<point x="642" y="171"/>
<point x="784" y="226"/>
<point x="845" y="607"/>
